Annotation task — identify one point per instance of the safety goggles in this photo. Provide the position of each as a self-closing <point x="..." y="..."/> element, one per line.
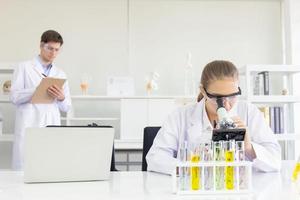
<point x="48" y="48"/>
<point x="231" y="98"/>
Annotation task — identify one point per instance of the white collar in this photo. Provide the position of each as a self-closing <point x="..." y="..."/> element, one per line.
<point x="40" y="62"/>
<point x="205" y="120"/>
<point x="199" y="116"/>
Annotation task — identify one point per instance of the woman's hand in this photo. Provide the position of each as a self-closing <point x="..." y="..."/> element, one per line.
<point x="248" y="146"/>
<point x="56" y="93"/>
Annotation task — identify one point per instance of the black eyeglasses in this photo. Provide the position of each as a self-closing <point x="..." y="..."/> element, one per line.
<point x="223" y="96"/>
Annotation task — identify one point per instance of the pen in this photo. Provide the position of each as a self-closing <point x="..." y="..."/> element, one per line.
<point x="41" y="74"/>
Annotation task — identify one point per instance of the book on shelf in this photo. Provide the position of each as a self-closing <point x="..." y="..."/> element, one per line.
<point x="274" y="116"/>
<point x="261" y="83"/>
<point x="272" y="119"/>
<point x="277" y="119"/>
<point x="258" y="88"/>
<point x="281" y="119"/>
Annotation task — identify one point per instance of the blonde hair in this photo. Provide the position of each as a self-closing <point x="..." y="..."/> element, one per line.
<point x="217" y="70"/>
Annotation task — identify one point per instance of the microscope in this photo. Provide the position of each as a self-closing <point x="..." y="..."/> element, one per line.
<point x="226" y="129"/>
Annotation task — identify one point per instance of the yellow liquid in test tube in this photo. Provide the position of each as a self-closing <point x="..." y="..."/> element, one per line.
<point x="195" y="173"/>
<point x="229" y="171"/>
<point x="296" y="172"/>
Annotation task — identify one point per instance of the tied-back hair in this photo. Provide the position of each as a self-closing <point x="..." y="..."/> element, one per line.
<point x="217" y="70"/>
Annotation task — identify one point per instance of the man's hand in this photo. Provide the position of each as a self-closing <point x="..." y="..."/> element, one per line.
<point x="248" y="146"/>
<point x="56" y="93"/>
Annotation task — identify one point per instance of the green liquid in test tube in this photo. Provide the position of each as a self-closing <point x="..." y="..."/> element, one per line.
<point x="219" y="170"/>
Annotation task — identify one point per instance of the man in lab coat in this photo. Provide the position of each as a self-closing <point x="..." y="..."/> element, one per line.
<point x="27" y="76"/>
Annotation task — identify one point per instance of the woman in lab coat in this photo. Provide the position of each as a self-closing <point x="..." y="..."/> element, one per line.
<point x="192" y="123"/>
<point x="27" y="76"/>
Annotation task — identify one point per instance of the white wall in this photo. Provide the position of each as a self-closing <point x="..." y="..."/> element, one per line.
<point x="95" y="34"/>
<point x="136" y="37"/>
<point x="295" y="30"/>
<point x="162" y="32"/>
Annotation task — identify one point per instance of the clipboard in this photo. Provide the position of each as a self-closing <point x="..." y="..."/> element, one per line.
<point x="41" y="95"/>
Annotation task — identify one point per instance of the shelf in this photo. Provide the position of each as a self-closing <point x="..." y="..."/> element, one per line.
<point x="4" y="98"/>
<point x="287" y="136"/>
<point x="6" y="71"/>
<point x="6" y="137"/>
<point x="93" y="97"/>
<point x="274" y="99"/>
<point x="128" y="144"/>
<point x="119" y="144"/>
<point x="99" y="97"/>
<point x="138" y="144"/>
<point x="270" y="68"/>
<point x="6" y="67"/>
<point x="90" y="118"/>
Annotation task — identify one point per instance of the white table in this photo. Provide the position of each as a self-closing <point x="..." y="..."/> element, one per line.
<point x="139" y="185"/>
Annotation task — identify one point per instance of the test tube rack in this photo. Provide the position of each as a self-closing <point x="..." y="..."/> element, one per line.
<point x="177" y="189"/>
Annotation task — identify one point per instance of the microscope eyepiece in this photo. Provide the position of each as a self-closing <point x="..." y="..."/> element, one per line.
<point x="220" y="102"/>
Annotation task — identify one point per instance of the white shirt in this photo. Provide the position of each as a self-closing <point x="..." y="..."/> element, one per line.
<point x="191" y="123"/>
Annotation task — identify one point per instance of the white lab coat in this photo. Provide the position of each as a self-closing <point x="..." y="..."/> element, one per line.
<point x="26" y="78"/>
<point x="191" y="123"/>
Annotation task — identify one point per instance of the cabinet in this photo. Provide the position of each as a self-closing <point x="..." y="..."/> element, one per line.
<point x="136" y="114"/>
<point x="8" y="112"/>
<point x="281" y="77"/>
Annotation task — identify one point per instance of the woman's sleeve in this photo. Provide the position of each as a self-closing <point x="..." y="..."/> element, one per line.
<point x="161" y="156"/>
<point x="265" y="145"/>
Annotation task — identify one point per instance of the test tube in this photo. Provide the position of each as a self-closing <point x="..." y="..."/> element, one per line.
<point x="296" y="170"/>
<point x="183" y="171"/>
<point x="195" y="171"/>
<point x="219" y="170"/>
<point x="209" y="170"/>
<point x="229" y="170"/>
<point x="240" y="156"/>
